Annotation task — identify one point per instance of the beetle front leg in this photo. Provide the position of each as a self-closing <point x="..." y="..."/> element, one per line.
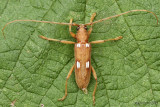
<point x="72" y="34"/>
<point x="95" y="77"/>
<point x="91" y="20"/>
<point x="102" y="41"/>
<point x="69" y="74"/>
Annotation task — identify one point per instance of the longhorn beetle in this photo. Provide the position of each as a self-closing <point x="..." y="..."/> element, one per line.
<point x="82" y="49"/>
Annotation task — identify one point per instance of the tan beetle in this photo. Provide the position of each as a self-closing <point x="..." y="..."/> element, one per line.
<point x="82" y="50"/>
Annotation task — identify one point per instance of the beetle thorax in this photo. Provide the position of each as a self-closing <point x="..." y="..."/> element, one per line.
<point x="82" y="34"/>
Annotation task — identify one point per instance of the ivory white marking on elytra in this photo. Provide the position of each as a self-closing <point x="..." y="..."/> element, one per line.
<point x="78" y="45"/>
<point x="87" y="44"/>
<point x="87" y="64"/>
<point x="78" y="64"/>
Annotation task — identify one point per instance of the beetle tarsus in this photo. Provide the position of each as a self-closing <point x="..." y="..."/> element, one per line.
<point x="93" y="100"/>
<point x="61" y="99"/>
<point x="119" y="37"/>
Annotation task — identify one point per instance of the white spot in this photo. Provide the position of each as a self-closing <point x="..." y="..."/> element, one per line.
<point x="87" y="44"/>
<point x="78" y="45"/>
<point x="87" y="64"/>
<point x="78" y="64"/>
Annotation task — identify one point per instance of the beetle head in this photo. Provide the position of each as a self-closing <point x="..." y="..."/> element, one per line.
<point x="82" y="33"/>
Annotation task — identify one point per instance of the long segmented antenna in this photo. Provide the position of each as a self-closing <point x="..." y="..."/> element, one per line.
<point x="120" y="15"/>
<point x="73" y="24"/>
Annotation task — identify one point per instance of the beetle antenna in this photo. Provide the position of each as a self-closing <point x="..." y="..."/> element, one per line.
<point x="120" y="15"/>
<point x="72" y="24"/>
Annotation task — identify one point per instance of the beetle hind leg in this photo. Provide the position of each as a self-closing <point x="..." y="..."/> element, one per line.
<point x="69" y="74"/>
<point x="95" y="77"/>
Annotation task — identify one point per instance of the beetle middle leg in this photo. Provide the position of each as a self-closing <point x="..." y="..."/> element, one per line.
<point x="102" y="41"/>
<point x="69" y="74"/>
<point x="56" y="40"/>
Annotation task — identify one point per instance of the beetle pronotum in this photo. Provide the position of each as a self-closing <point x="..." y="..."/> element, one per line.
<point x="82" y="50"/>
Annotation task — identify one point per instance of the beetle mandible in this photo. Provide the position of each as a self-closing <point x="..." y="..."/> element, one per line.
<point x="82" y="50"/>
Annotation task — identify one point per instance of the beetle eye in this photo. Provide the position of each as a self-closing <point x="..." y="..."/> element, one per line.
<point x="78" y="28"/>
<point x="86" y="28"/>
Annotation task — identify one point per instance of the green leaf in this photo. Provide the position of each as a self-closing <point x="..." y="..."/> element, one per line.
<point x="33" y="71"/>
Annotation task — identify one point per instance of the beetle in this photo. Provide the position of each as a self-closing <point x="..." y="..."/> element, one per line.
<point x="82" y="50"/>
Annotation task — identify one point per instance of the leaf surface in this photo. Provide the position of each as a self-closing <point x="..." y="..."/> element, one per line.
<point x="33" y="71"/>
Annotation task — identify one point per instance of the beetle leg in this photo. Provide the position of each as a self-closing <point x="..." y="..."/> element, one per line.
<point x="95" y="77"/>
<point x="72" y="34"/>
<point x="102" y="41"/>
<point x="61" y="41"/>
<point x="91" y="20"/>
<point x="69" y="74"/>
<point x="92" y="17"/>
